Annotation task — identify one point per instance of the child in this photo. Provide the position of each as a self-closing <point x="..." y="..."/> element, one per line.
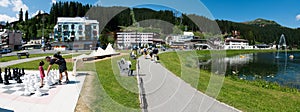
<point x="42" y="73"/>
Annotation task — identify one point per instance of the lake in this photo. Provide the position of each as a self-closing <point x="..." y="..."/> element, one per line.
<point x="265" y="66"/>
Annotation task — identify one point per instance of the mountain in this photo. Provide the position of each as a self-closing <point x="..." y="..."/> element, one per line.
<point x="262" y="22"/>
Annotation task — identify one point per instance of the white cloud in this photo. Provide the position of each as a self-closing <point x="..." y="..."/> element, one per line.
<point x="53" y="1"/>
<point x="4" y="3"/>
<point x="18" y="4"/>
<point x="298" y="17"/>
<point x="5" y="18"/>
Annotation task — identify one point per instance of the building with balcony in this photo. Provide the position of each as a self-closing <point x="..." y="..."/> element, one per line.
<point x="11" y="39"/>
<point x="75" y="29"/>
<point x="79" y="31"/>
<point x="234" y="43"/>
<point x="131" y="39"/>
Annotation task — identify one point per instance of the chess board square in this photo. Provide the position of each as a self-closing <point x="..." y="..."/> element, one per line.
<point x="44" y="91"/>
<point x="20" y="86"/>
<point x="22" y="89"/>
<point x="9" y="91"/>
<point x="7" y="87"/>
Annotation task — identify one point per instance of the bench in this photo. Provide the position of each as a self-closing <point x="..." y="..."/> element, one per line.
<point x="19" y="54"/>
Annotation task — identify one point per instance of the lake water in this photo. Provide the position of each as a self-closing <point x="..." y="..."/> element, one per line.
<point x="282" y="70"/>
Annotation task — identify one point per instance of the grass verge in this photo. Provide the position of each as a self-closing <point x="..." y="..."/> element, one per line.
<point x="11" y="58"/>
<point x="244" y="95"/>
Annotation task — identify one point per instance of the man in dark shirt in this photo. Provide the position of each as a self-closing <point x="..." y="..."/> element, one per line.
<point x="61" y="62"/>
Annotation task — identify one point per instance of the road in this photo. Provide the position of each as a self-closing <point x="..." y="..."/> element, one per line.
<point x="164" y="92"/>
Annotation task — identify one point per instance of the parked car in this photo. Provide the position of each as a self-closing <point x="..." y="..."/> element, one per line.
<point x="7" y="50"/>
<point x="1" y="51"/>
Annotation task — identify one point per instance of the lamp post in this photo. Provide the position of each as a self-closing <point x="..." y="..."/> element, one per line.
<point x="43" y="39"/>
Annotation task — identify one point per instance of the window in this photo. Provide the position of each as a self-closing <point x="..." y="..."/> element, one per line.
<point x="73" y="26"/>
<point x="80" y="27"/>
<point x="66" y="27"/>
<point x="80" y="32"/>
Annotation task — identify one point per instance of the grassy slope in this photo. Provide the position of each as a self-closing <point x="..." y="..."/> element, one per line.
<point x="244" y="95"/>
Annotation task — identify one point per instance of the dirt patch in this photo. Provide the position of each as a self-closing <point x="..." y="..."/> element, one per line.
<point x="83" y="104"/>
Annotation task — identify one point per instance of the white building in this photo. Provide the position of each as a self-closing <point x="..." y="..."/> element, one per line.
<point x="233" y="43"/>
<point x="75" y="29"/>
<point x="130" y="39"/>
<point x="175" y="39"/>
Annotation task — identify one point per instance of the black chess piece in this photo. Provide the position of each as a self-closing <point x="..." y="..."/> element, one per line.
<point x="23" y="72"/>
<point x="18" y="79"/>
<point x="13" y="73"/>
<point x="9" y="74"/>
<point x="6" y="77"/>
<point x="1" y="80"/>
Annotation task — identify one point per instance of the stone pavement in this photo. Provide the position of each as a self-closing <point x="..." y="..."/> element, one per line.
<point x="164" y="92"/>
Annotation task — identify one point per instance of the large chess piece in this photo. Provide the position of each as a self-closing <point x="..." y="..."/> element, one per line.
<point x="18" y="77"/>
<point x="37" y="87"/>
<point x="6" y="82"/>
<point x="52" y="78"/>
<point x="47" y="82"/>
<point x="9" y="75"/>
<point x="23" y="72"/>
<point x="14" y="75"/>
<point x="31" y="84"/>
<point x="26" y="83"/>
<point x="1" y="80"/>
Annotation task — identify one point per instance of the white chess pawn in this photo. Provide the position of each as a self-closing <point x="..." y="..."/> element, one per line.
<point x="31" y="84"/>
<point x="26" y="83"/>
<point x="47" y="85"/>
<point x="38" y="90"/>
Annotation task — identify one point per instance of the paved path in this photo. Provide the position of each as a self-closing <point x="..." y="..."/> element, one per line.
<point x="167" y="93"/>
<point x="14" y="62"/>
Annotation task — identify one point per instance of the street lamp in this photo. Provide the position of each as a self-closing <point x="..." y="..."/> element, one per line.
<point x="43" y="40"/>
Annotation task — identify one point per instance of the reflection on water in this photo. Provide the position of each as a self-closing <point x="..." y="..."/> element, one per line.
<point x="264" y="66"/>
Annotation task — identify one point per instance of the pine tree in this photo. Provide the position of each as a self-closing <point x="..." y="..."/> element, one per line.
<point x="26" y="15"/>
<point x="21" y="15"/>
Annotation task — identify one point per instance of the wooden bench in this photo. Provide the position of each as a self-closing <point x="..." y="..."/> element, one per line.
<point x="19" y="54"/>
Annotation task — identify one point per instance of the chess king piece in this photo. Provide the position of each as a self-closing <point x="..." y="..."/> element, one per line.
<point x="1" y="80"/>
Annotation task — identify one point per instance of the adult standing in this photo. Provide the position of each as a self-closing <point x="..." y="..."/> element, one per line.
<point x="61" y="62"/>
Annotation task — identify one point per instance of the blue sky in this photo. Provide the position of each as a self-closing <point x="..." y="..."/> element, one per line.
<point x="282" y="11"/>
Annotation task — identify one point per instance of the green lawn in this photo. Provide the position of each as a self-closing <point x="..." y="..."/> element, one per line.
<point x="34" y="65"/>
<point x="118" y="92"/>
<point x="251" y="96"/>
<point x="10" y="58"/>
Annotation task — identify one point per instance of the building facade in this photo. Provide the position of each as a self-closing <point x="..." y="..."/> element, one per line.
<point x="233" y="43"/>
<point x="11" y="39"/>
<point x="131" y="39"/>
<point x="70" y="29"/>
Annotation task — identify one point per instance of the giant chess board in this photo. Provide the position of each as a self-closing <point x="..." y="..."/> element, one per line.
<point x="28" y="89"/>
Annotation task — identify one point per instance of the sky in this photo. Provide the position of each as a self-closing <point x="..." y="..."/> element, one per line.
<point x="284" y="12"/>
